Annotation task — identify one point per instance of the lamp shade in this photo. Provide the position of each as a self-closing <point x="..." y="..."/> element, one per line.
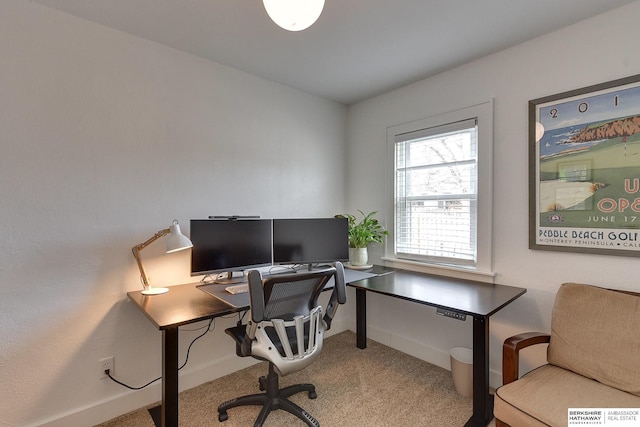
<point x="176" y="241"/>
<point x="294" y="15"/>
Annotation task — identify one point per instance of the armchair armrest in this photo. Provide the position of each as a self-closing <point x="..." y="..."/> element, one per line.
<point x="511" y="352"/>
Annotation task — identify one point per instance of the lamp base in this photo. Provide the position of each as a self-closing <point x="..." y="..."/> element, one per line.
<point x="155" y="291"/>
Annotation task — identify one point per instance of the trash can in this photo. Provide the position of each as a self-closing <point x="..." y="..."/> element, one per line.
<point x="462" y="370"/>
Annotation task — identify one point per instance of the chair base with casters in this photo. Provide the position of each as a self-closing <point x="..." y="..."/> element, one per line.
<point x="286" y="329"/>
<point x="272" y="399"/>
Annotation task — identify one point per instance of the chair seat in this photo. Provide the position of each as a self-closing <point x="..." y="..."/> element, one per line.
<point x="542" y="396"/>
<point x="238" y="334"/>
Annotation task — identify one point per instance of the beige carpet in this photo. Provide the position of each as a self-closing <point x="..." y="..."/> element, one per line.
<point x="375" y="387"/>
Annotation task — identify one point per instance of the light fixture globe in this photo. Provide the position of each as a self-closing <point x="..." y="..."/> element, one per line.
<point x="539" y="131"/>
<point x="294" y="15"/>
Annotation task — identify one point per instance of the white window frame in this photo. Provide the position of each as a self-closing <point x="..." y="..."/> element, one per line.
<point x="483" y="268"/>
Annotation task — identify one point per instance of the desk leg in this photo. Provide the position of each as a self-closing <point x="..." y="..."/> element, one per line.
<point x="169" y="414"/>
<point x="361" y="318"/>
<point x="482" y="401"/>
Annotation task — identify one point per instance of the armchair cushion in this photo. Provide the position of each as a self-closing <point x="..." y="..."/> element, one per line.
<point x="595" y="333"/>
<point x="555" y="389"/>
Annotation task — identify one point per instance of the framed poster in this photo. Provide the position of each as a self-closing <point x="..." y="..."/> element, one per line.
<point x="584" y="170"/>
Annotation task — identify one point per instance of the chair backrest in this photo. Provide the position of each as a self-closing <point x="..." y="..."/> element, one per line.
<point x="594" y="332"/>
<point x="287" y="323"/>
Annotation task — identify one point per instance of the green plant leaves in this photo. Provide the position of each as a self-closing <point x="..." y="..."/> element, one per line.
<point x="367" y="230"/>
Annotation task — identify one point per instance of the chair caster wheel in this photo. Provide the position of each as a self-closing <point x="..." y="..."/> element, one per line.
<point x="223" y="416"/>
<point x="312" y="395"/>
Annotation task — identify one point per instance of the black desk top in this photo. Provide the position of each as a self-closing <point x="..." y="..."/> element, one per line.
<point x="183" y="304"/>
<point x="467" y="296"/>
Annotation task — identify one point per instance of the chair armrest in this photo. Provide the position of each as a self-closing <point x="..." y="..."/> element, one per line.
<point x="256" y="296"/>
<point x="338" y="296"/>
<point x="511" y="352"/>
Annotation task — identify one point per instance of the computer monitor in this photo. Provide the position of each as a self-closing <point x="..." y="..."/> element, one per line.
<point x="228" y="245"/>
<point x="310" y="240"/>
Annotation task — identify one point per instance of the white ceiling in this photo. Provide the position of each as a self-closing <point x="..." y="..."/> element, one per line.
<point x="356" y="49"/>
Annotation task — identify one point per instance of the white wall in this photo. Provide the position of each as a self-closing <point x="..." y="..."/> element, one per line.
<point x="105" y="139"/>
<point x="594" y="51"/>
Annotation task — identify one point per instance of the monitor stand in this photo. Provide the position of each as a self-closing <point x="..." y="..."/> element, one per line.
<point x="315" y="267"/>
<point x="230" y="280"/>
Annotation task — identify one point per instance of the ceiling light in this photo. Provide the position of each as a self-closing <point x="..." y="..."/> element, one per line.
<point x="539" y="131"/>
<point x="294" y="15"/>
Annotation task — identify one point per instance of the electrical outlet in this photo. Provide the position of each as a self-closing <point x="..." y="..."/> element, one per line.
<point x="106" y="363"/>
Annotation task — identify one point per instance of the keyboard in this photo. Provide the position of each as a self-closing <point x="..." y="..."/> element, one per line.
<point x="237" y="289"/>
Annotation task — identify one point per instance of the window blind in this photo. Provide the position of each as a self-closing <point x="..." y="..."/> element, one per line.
<point x="436" y="194"/>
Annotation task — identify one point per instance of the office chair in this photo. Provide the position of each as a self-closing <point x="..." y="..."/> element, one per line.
<point x="286" y="329"/>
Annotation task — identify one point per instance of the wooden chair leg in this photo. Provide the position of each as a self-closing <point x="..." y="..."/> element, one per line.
<point x="501" y="424"/>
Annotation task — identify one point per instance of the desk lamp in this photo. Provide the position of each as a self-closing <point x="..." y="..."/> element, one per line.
<point x="176" y="242"/>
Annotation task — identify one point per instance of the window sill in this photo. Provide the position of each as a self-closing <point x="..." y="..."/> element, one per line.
<point x="441" y="270"/>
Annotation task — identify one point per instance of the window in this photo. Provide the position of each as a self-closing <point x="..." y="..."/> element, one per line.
<point x="441" y="201"/>
<point x="436" y="193"/>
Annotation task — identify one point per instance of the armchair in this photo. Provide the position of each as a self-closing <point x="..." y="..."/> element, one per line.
<point x="592" y="360"/>
<point x="286" y="329"/>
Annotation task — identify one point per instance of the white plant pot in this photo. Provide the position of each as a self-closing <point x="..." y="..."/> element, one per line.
<point x="358" y="256"/>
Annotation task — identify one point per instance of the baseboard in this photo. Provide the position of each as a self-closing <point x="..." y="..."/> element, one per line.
<point x="128" y="401"/>
<point x="104" y="410"/>
<point x="421" y="351"/>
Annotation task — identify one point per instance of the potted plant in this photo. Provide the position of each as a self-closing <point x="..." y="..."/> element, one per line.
<point x="362" y="233"/>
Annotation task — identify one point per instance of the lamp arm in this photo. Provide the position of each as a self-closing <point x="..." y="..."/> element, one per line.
<point x="136" y="253"/>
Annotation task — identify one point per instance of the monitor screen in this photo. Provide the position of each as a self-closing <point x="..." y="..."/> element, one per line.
<point x="221" y="245"/>
<point x="310" y="240"/>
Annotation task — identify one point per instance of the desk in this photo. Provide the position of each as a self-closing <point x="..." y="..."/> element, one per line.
<point x="182" y="305"/>
<point x="476" y="299"/>
<point x="185" y="304"/>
